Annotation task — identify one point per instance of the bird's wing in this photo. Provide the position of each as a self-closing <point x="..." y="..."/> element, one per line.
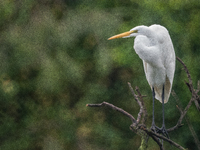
<point x="145" y="68"/>
<point x="158" y="88"/>
<point x="168" y="84"/>
<point x="169" y="79"/>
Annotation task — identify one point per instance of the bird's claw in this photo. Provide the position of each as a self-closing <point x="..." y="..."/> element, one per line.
<point x="154" y="128"/>
<point x="161" y="130"/>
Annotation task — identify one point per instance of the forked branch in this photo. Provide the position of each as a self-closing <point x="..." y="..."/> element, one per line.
<point x="138" y="125"/>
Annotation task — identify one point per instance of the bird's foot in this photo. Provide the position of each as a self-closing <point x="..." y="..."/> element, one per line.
<point x="154" y="128"/>
<point x="163" y="131"/>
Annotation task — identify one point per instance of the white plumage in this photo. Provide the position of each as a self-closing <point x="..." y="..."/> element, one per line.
<point x="154" y="46"/>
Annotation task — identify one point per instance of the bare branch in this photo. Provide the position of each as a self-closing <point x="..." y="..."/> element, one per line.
<point x="141" y="129"/>
<point x="198" y="86"/>
<point x="183" y="113"/>
<point x="179" y="109"/>
<point x="177" y="100"/>
<point x="151" y="133"/>
<point x="188" y="121"/>
<point x="139" y="103"/>
<point x="144" y="108"/>
<point x="194" y="92"/>
<point x="187" y="72"/>
<point x="195" y="98"/>
<point x="193" y="132"/>
<point x="115" y="108"/>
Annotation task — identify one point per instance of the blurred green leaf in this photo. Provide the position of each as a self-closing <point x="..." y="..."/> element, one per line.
<point x="55" y="58"/>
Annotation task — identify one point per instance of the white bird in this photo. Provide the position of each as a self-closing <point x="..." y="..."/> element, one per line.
<point x="154" y="46"/>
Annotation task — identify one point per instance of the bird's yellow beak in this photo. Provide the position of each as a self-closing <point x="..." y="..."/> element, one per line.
<point x="122" y="35"/>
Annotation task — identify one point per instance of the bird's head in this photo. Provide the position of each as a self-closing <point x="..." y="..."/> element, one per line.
<point x="139" y="30"/>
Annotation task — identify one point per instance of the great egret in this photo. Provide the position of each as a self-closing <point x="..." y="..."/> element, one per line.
<point x="154" y="46"/>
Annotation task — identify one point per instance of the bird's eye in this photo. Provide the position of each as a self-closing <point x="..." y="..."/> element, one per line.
<point x="134" y="31"/>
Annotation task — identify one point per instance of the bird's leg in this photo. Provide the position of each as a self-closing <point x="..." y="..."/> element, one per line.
<point x="163" y="130"/>
<point x="153" y="126"/>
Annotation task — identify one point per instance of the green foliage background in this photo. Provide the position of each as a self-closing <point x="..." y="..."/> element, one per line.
<point x="55" y="58"/>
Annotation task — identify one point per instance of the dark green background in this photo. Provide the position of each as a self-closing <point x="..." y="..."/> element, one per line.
<point x="55" y="58"/>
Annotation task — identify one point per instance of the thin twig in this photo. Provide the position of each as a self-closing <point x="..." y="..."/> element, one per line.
<point x="142" y="127"/>
<point x="187" y="120"/>
<point x="181" y="117"/>
<point x="139" y="103"/>
<point x="198" y="86"/>
<point x="193" y="132"/>
<point x="144" y="108"/>
<point x="177" y="101"/>
<point x="115" y="108"/>
<point x="187" y="72"/>
<point x="195" y="96"/>
<point x="150" y="133"/>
